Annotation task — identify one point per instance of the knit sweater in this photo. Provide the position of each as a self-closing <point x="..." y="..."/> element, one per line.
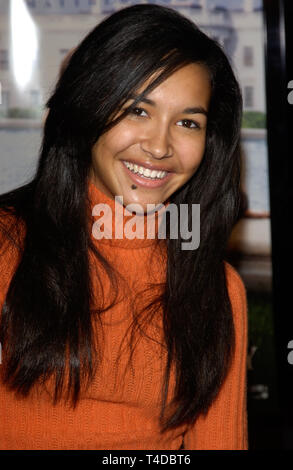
<point x="120" y="409"/>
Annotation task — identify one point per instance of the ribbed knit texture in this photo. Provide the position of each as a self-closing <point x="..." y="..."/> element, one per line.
<point x="120" y="409"/>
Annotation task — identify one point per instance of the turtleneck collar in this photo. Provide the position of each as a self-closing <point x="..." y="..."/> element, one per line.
<point x="113" y="225"/>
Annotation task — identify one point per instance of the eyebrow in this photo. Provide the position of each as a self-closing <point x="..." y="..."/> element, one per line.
<point x="192" y="110"/>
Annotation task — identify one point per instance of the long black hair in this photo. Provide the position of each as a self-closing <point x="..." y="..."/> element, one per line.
<point x="46" y="321"/>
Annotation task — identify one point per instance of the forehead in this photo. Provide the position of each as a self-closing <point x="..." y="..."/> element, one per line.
<point x="190" y="84"/>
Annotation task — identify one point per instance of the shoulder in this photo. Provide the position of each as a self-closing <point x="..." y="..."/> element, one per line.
<point x="234" y="282"/>
<point x="11" y="244"/>
<point x="237" y="296"/>
<point x="12" y="229"/>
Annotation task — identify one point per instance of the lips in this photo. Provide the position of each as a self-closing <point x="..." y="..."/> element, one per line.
<point x="144" y="181"/>
<point x="148" y="165"/>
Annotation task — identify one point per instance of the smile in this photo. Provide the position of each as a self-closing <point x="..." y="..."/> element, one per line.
<point x="145" y="172"/>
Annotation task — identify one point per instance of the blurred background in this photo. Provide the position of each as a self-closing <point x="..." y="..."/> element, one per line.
<point x="36" y="39"/>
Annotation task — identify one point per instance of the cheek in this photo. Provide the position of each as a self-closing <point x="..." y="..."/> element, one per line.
<point x="191" y="155"/>
<point x="111" y="143"/>
<point x="120" y="138"/>
<point x="103" y="148"/>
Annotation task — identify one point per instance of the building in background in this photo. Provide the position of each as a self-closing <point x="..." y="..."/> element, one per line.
<point x="59" y="25"/>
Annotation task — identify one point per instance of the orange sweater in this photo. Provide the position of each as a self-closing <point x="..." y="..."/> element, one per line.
<point x="120" y="409"/>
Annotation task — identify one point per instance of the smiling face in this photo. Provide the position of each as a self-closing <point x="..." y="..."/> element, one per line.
<point x="158" y="147"/>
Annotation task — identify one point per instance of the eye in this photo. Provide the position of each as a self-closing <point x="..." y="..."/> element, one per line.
<point x="189" y="124"/>
<point x="138" y="112"/>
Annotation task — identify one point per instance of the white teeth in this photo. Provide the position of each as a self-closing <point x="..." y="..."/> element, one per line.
<point x="146" y="172"/>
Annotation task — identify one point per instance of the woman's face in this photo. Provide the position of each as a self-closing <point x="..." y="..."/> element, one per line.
<point x="157" y="148"/>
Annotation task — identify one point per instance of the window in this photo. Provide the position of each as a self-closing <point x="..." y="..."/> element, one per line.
<point x="31" y="3"/>
<point x="35" y="97"/>
<point x="248" y="56"/>
<point x="4" y="60"/>
<point x="248" y="96"/>
<point x="4" y="100"/>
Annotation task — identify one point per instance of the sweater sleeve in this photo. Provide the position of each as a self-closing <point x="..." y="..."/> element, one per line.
<point x="224" y="427"/>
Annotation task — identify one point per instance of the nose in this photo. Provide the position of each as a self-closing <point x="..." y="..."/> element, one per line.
<point x="157" y="142"/>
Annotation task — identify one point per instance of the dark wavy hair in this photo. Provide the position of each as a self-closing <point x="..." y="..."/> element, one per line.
<point x="46" y="321"/>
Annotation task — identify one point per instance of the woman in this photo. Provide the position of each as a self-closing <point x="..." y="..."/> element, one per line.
<point x="115" y="342"/>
